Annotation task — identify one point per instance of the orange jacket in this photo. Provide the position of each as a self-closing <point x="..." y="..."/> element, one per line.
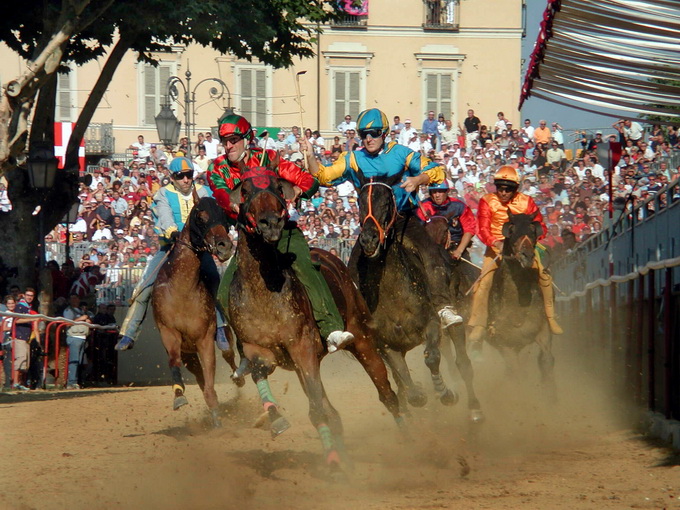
<point x="492" y="215"/>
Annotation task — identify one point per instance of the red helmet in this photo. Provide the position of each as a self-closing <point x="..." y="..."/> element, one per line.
<point x="235" y="125"/>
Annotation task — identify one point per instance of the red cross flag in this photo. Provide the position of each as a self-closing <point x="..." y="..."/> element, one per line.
<point x="62" y="134"/>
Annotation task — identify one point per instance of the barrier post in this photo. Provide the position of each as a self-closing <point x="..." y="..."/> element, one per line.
<point x="668" y="342"/>
<point x="614" y="335"/>
<point x="630" y="362"/>
<point x="651" y="340"/>
<point x="639" y="345"/>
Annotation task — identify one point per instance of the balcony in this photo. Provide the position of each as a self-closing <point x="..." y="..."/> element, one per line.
<point x="351" y="21"/>
<point x="99" y="139"/>
<point x="441" y="15"/>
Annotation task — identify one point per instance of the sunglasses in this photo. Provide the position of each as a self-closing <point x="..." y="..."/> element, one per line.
<point x="178" y="176"/>
<point x="372" y="132"/>
<point x="233" y="139"/>
<point x="505" y="188"/>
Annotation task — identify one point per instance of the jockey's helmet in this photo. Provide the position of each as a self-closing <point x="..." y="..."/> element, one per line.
<point x="179" y="166"/>
<point x="508" y="176"/>
<point x="442" y="186"/>
<point x="372" y="122"/>
<point x="235" y="125"/>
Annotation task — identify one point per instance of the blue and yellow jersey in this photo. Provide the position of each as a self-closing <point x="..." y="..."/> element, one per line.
<point x="394" y="160"/>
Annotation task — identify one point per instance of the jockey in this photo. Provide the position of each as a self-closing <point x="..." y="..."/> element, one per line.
<point x="377" y="160"/>
<point x="224" y="175"/>
<point x="491" y="216"/>
<point x="171" y="207"/>
<point x="462" y="223"/>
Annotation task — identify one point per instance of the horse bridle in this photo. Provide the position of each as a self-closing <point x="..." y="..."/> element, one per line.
<point x="382" y="232"/>
<point x="250" y="225"/>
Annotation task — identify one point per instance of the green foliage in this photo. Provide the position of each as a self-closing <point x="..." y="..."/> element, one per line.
<point x="273" y="31"/>
<point x="671" y="86"/>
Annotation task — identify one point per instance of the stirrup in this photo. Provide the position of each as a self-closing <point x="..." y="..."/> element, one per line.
<point x="125" y="343"/>
<point x="339" y="340"/>
<point x="449" y="317"/>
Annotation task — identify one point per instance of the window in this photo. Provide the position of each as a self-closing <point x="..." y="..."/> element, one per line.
<point x="253" y="92"/>
<point x="441" y="14"/>
<point x="65" y="110"/>
<point x="154" y="82"/>
<point x="347" y="94"/>
<point x="438" y="93"/>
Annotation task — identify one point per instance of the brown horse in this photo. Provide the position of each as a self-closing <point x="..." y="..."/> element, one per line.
<point x="273" y="319"/>
<point x="391" y="277"/>
<point x="516" y="312"/>
<point x="184" y="306"/>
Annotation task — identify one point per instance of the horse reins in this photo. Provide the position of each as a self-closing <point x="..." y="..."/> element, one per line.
<point x="250" y="225"/>
<point x="382" y="232"/>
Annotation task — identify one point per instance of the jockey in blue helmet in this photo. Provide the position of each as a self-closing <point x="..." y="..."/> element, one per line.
<point x="170" y="208"/>
<point x="375" y="159"/>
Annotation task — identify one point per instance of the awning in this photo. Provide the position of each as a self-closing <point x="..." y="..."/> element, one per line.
<point x="608" y="54"/>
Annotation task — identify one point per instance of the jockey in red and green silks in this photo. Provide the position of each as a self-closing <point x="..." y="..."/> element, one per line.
<point x="224" y="175"/>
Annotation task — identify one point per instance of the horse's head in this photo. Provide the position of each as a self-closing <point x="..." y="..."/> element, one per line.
<point x="378" y="211"/>
<point x="521" y="233"/>
<point x="437" y="228"/>
<point x="208" y="229"/>
<point x="262" y="198"/>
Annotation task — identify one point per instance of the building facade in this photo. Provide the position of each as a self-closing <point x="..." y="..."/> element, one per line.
<point x="404" y="56"/>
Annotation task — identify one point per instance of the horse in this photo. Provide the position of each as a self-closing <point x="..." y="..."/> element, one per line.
<point x="516" y="311"/>
<point x="272" y="317"/>
<point x="463" y="276"/>
<point x="184" y="303"/>
<point x="391" y="277"/>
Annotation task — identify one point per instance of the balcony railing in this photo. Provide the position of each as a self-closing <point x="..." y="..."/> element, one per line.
<point x="440" y="14"/>
<point x="99" y="138"/>
<point x="351" y="21"/>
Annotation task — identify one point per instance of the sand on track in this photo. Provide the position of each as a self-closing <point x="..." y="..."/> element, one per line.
<point x="125" y="447"/>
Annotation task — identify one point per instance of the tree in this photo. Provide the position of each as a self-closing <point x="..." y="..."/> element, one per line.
<point x="52" y="33"/>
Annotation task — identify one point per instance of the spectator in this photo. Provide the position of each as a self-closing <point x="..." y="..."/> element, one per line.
<point x="472" y="124"/>
<point x="430" y="129"/>
<point x="24" y="330"/>
<point x="143" y="149"/>
<point x="397" y="126"/>
<point x="406" y="133"/>
<point x="7" y="342"/>
<point x="542" y="135"/>
<point x="347" y="124"/>
<point x="75" y="339"/>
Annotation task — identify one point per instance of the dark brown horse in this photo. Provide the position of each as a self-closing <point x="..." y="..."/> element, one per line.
<point x="391" y="277"/>
<point x="184" y="306"/>
<point x="273" y="319"/>
<point x="516" y="312"/>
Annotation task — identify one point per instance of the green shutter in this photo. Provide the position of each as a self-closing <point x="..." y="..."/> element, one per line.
<point x="354" y="94"/>
<point x="340" y="79"/>
<point x="445" y="99"/>
<point x="261" y="97"/>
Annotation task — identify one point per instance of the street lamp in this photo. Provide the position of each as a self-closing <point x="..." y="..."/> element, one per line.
<point x="42" y="170"/>
<point x="167" y="125"/>
<point x="168" y="119"/>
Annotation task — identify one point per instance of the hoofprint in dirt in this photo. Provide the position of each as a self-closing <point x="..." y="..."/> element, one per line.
<point x="123" y="448"/>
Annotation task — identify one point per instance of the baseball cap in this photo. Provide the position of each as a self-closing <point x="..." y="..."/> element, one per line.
<point x="407" y="121"/>
<point x="296" y="156"/>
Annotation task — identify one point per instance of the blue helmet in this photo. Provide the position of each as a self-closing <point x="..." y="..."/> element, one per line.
<point x="373" y="119"/>
<point x="442" y="186"/>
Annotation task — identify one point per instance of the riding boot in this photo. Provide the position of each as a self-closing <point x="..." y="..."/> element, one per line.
<point x="545" y="283"/>
<point x="479" y="309"/>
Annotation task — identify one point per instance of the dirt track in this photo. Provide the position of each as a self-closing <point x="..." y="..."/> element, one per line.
<point x="126" y="448"/>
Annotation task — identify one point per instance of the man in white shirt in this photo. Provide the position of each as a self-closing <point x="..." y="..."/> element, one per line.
<point x="632" y="130"/>
<point x="527" y="132"/>
<point x="348" y="123"/>
<point x="201" y="162"/>
<point x="449" y="135"/>
<point x="406" y="134"/>
<point x="414" y="141"/>
<point x="143" y="149"/>
<point x="210" y="145"/>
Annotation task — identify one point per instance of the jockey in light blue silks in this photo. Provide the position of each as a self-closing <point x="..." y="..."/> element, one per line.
<point x="171" y="207"/>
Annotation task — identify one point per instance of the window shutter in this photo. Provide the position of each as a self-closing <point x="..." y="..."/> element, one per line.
<point x="445" y="96"/>
<point x="431" y="87"/>
<point x="63" y="98"/>
<point x="339" y="97"/>
<point x="260" y="97"/>
<point x="246" y="93"/>
<point x="354" y="94"/>
<point x="149" y="94"/>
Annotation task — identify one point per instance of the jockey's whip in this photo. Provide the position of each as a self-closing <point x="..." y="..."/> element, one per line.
<point x="496" y="259"/>
<point x="471" y="263"/>
<point x="299" y="101"/>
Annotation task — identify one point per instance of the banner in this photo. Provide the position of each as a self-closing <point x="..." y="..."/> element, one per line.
<point x="354" y="7"/>
<point x="62" y="134"/>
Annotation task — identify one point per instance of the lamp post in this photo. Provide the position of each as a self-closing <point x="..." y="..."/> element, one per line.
<point x="167" y="123"/>
<point x="42" y="170"/>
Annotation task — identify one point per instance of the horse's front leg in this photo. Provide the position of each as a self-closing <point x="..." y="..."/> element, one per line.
<point x="546" y="362"/>
<point x="322" y="414"/>
<point x="172" y="341"/>
<point x="206" y="353"/>
<point x="432" y="360"/>
<point x="397" y="363"/>
<point x="262" y="363"/>
<point x="464" y="365"/>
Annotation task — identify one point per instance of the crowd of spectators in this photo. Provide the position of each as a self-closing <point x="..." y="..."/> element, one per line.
<point x="570" y="186"/>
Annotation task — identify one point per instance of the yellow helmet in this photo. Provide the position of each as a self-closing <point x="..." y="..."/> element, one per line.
<point x="506" y="175"/>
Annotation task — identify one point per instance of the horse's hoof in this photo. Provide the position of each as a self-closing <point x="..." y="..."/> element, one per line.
<point x="449" y="398"/>
<point x="417" y="398"/>
<point x="238" y="379"/>
<point x="180" y="401"/>
<point x="477" y="416"/>
<point x="217" y="423"/>
<point x="279" y="426"/>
